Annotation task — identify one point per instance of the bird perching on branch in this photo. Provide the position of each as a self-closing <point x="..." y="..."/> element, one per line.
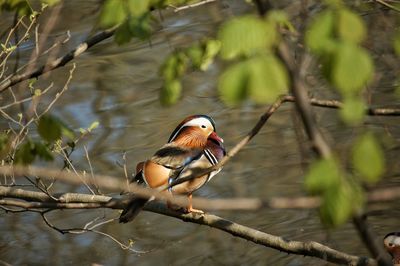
<point x="194" y="144"/>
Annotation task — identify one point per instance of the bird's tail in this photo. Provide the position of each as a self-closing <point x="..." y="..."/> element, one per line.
<point x="133" y="209"/>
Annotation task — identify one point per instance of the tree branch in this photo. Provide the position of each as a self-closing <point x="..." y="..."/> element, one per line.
<point x="180" y="8"/>
<point x="59" y="62"/>
<point x="311" y="248"/>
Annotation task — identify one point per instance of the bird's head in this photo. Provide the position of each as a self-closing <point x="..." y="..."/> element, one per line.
<point x="193" y="131"/>
<point x="216" y="144"/>
<point x="392" y="244"/>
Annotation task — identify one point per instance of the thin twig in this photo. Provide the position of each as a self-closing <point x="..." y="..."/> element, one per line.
<point x="180" y="8"/>
<point x="91" y="170"/>
<point x="59" y="62"/>
<point x="386" y="4"/>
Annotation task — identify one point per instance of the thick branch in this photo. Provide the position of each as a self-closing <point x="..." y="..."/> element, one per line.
<point x="55" y="201"/>
<point x="311" y="248"/>
<point x="374" y="196"/>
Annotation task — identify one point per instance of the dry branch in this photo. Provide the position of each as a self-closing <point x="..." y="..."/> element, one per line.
<point x="311" y="248"/>
<point x="59" y="62"/>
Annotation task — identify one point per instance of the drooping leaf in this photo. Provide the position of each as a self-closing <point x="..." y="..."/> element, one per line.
<point x="352" y="68"/>
<point x="138" y="7"/>
<point x="195" y="53"/>
<point x="22" y="7"/>
<point x="268" y="79"/>
<point x="174" y="66"/>
<point x="396" y="43"/>
<point x="123" y="34"/>
<point x="202" y="54"/>
<point x="42" y="151"/>
<point x="335" y="4"/>
<point x="170" y="92"/>
<point x="4" y="145"/>
<point x="322" y="175"/>
<point x="244" y="36"/>
<point x="232" y="84"/>
<point x="340" y="202"/>
<point x="280" y="18"/>
<point x="212" y="48"/>
<point x="350" y="26"/>
<point x="25" y="154"/>
<point x="368" y="158"/>
<point x="320" y="35"/>
<point x="353" y="110"/>
<point x="140" y="27"/>
<point x="113" y="13"/>
<point x="49" y="128"/>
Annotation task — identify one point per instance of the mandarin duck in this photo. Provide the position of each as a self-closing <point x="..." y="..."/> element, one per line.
<point x="194" y="144"/>
<point x="392" y="244"/>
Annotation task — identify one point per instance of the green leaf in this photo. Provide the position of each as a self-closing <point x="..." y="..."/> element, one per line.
<point x="245" y="36"/>
<point x="42" y="151"/>
<point x="140" y="27"/>
<point x="352" y="68"/>
<point x="3" y="140"/>
<point x="113" y="13"/>
<point x="396" y="43"/>
<point x="340" y="202"/>
<point x="212" y="48"/>
<point x="322" y="176"/>
<point x="174" y="66"/>
<point x="232" y="84"/>
<point x="368" y="158"/>
<point x="93" y="126"/>
<point x="4" y="145"/>
<point x="49" y="128"/>
<point x="320" y="35"/>
<point x="350" y="26"/>
<point x="202" y="54"/>
<point x="335" y="4"/>
<point x="280" y="18"/>
<point x="170" y="92"/>
<point x="25" y="153"/>
<point x="123" y="34"/>
<point x="268" y="79"/>
<point x="195" y="53"/>
<point x="353" y="110"/>
<point x="138" y="7"/>
<point x="21" y="6"/>
<point x="50" y="2"/>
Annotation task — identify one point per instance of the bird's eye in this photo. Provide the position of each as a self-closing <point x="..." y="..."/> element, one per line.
<point x="203" y="126"/>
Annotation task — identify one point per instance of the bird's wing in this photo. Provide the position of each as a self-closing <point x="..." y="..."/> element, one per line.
<point x="196" y="166"/>
<point x="175" y="157"/>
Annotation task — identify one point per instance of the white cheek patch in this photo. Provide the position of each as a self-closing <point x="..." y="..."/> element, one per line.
<point x="199" y="122"/>
<point x="196" y="122"/>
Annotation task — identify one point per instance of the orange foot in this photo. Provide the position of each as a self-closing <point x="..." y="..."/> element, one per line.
<point x="192" y="210"/>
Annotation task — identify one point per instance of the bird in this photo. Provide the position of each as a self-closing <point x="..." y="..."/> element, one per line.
<point x="392" y="244"/>
<point x="193" y="144"/>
